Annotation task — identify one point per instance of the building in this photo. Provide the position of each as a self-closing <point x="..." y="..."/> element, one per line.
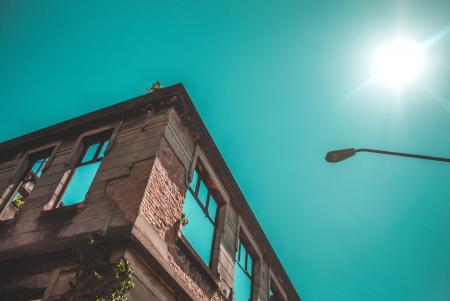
<point x="143" y="182"/>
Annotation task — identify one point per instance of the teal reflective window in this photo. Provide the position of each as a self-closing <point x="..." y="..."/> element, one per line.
<point x="79" y="184"/>
<point x="212" y="207"/>
<point x="90" y="153"/>
<point x="103" y="149"/>
<point x="85" y="171"/>
<point x="194" y="181"/>
<point x="202" y="193"/>
<point x="242" y="285"/>
<point x="200" y="208"/>
<point x="244" y="259"/>
<point x="199" y="231"/>
<point x="249" y="264"/>
<point x="243" y="272"/>
<point x="38" y="165"/>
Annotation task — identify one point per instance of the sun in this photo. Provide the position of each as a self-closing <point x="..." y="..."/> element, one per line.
<point x="399" y="62"/>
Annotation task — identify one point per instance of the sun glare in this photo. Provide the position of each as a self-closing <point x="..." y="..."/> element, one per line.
<point x="399" y="62"/>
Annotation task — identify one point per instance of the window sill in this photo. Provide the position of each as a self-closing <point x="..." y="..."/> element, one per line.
<point x="5" y="221"/>
<point x="196" y="259"/>
<point x="63" y="210"/>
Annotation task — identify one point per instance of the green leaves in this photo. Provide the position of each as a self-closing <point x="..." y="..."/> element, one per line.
<point x="183" y="219"/>
<point x="155" y="87"/>
<point x="96" y="277"/>
<point x="19" y="201"/>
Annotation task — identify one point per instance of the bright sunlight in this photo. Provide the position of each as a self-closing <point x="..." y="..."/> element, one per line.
<point x="399" y="62"/>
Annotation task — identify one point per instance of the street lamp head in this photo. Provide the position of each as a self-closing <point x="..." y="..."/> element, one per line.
<point x="339" y="155"/>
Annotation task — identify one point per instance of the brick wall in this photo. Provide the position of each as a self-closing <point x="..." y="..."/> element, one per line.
<point x="163" y="197"/>
<point x="162" y="206"/>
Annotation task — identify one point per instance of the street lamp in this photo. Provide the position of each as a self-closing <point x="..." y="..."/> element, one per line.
<point x="342" y="154"/>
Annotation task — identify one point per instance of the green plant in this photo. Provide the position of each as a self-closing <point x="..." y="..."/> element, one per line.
<point x="19" y="201"/>
<point x="155" y="87"/>
<point x="96" y="278"/>
<point x="183" y="219"/>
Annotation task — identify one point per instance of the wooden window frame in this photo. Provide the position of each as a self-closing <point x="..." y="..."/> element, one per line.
<point x="244" y="234"/>
<point x="217" y="190"/>
<point x="75" y="155"/>
<point x="195" y="191"/>
<point x="83" y="144"/>
<point x="203" y="175"/>
<point x="245" y="268"/>
<point x="24" y="167"/>
<point x="242" y="238"/>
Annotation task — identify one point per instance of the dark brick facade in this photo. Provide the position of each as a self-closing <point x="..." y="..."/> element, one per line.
<point x="135" y="202"/>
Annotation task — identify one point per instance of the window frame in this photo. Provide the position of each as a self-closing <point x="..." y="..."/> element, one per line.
<point x="222" y="198"/>
<point x="211" y="193"/>
<point x="204" y="176"/>
<point x="245" y="268"/>
<point x="33" y="158"/>
<point x="23" y="169"/>
<point x="242" y="239"/>
<point x="101" y="139"/>
<point x="83" y="144"/>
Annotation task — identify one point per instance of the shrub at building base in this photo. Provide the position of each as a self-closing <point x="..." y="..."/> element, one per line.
<point x="96" y="278"/>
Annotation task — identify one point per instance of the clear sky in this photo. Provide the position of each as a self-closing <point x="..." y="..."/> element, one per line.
<point x="278" y="84"/>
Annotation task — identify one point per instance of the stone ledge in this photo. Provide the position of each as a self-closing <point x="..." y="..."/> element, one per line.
<point x="62" y="210"/>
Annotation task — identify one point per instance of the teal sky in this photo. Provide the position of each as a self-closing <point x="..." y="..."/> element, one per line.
<point x="276" y="83"/>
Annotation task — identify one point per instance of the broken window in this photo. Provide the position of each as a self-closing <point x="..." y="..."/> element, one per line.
<point x="85" y="170"/>
<point x="243" y="273"/>
<point x="25" y="186"/>
<point x="200" y="208"/>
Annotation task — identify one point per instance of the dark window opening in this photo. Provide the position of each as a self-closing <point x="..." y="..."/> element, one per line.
<point x="84" y="172"/>
<point x="243" y="273"/>
<point x="200" y="208"/>
<point x="26" y="185"/>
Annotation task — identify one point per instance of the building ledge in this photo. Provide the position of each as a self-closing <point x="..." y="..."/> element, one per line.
<point x="63" y="210"/>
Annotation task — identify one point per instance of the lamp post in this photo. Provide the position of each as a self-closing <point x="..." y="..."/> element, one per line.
<point x="342" y="154"/>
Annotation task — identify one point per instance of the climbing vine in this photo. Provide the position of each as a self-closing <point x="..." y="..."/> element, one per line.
<point x="96" y="278"/>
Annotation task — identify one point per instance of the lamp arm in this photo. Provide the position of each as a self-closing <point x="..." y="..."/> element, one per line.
<point x="368" y="150"/>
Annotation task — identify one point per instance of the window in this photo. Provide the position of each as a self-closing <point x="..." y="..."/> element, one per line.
<point x="243" y="273"/>
<point x="274" y="292"/>
<point x="33" y="172"/>
<point x="200" y="208"/>
<point x="85" y="170"/>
